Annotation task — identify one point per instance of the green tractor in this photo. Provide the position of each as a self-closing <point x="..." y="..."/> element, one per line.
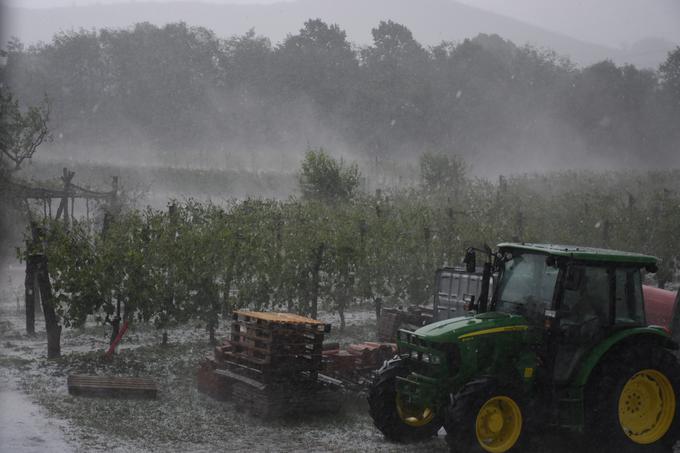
<point x="556" y="337"/>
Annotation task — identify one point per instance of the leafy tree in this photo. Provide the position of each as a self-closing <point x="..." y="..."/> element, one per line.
<point x="394" y="94"/>
<point x="439" y="171"/>
<point x="319" y="62"/>
<point x="324" y="178"/>
<point x="20" y="132"/>
<point x="670" y="73"/>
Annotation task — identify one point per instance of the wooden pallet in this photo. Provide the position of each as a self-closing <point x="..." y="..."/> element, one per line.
<point x="306" y="397"/>
<point x="279" y="341"/>
<point x="270" y="365"/>
<point x="279" y="366"/>
<point x="112" y="386"/>
<point x="388" y="324"/>
<point x="287" y="321"/>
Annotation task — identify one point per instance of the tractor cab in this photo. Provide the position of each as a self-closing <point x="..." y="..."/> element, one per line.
<point x="579" y="296"/>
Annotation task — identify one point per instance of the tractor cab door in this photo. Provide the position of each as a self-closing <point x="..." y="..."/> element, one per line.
<point x="595" y="300"/>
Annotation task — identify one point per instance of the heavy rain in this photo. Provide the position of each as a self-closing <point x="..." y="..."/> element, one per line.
<point x="316" y="225"/>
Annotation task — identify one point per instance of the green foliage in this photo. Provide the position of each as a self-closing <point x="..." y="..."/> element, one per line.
<point x="670" y="72"/>
<point x="439" y="171"/>
<point x="197" y="261"/>
<point x="20" y="132"/>
<point x="324" y="178"/>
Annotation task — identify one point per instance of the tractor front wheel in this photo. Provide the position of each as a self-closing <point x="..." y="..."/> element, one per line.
<point x="398" y="420"/>
<point x="485" y="417"/>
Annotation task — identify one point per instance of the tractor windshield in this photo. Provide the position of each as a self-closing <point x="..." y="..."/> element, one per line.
<point x="526" y="284"/>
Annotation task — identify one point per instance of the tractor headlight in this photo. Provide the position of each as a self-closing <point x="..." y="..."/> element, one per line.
<point x="432" y="359"/>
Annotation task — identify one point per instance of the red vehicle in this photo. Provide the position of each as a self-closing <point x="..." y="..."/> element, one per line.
<point x="661" y="308"/>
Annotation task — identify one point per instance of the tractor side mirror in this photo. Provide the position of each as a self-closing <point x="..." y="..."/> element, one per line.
<point x="574" y="278"/>
<point x="470" y="260"/>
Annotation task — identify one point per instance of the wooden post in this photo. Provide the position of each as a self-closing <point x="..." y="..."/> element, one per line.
<point x="170" y="301"/>
<point x="63" y="205"/>
<point x="318" y="260"/>
<point x="29" y="286"/>
<point x="519" y="227"/>
<point x="114" y="193"/>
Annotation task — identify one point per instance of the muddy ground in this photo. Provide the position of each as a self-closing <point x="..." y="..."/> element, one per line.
<point x="37" y="413"/>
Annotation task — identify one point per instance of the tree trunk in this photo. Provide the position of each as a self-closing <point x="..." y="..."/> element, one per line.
<point x="341" y="312"/>
<point x="30" y="299"/>
<point x="226" y="309"/>
<point x="115" y="323"/>
<point x="51" y="319"/>
<point x="378" y="307"/>
<point x="165" y="338"/>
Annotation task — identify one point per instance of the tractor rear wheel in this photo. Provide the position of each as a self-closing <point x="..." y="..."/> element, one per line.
<point x="394" y="417"/>
<point x="486" y="417"/>
<point x="632" y="398"/>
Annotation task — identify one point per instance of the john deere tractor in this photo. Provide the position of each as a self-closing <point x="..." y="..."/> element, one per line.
<point x="556" y="336"/>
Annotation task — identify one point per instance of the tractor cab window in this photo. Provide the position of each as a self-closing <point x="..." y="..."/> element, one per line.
<point x="586" y="301"/>
<point x="629" y="306"/>
<point x="526" y="285"/>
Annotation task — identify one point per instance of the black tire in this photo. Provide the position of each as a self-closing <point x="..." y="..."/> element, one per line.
<point x="605" y="387"/>
<point x="462" y="415"/>
<point x="382" y="403"/>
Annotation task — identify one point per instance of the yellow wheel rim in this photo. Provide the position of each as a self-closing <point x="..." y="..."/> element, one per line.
<point x="646" y="406"/>
<point x="499" y="424"/>
<point x="413" y="415"/>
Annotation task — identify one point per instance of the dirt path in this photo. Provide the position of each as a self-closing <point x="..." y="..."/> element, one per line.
<point x="24" y="426"/>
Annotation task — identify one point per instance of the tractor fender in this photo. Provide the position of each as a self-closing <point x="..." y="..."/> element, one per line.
<point x="629" y="337"/>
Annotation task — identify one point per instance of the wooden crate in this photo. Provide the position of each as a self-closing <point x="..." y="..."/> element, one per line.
<point x="270" y="365"/>
<point x="279" y="341"/>
<point x="389" y="323"/>
<point x="112" y="386"/>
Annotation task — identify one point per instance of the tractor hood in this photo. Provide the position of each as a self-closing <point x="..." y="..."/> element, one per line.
<point x="460" y="329"/>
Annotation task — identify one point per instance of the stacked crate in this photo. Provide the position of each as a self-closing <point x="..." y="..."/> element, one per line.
<point x="281" y="345"/>
<point x="271" y="364"/>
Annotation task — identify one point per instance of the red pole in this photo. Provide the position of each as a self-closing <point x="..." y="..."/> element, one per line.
<point x="116" y="340"/>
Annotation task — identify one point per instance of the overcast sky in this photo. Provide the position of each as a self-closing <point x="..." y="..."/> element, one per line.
<point x="616" y="23"/>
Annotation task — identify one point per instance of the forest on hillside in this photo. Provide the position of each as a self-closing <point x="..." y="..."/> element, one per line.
<point x="179" y="90"/>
